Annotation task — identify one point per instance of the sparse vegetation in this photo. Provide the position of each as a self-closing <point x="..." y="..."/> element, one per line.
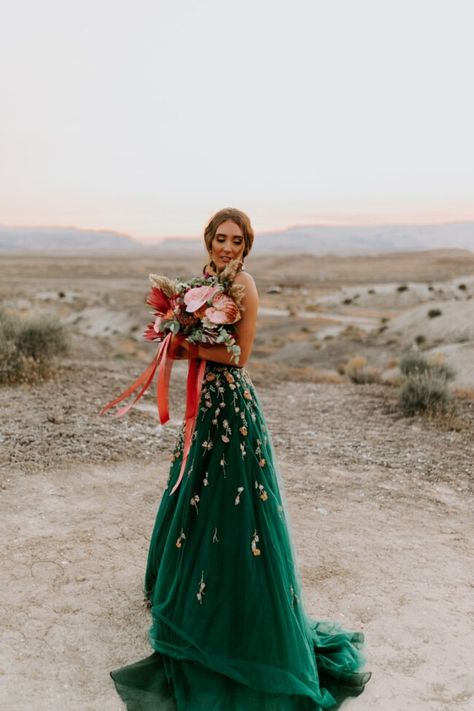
<point x="424" y="387"/>
<point x="413" y="363"/>
<point x="354" y="333"/>
<point x="359" y="372"/>
<point x="421" y="393"/>
<point x="402" y="288"/>
<point x="28" y="347"/>
<point x="434" y="313"/>
<point x="420" y="340"/>
<point x="462" y="287"/>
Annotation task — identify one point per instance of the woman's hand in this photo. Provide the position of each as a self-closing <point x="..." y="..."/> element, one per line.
<point x="181" y="349"/>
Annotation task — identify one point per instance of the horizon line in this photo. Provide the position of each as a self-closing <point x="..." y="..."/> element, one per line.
<point x="403" y="222"/>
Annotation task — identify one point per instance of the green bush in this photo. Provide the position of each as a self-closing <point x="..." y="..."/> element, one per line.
<point x="413" y="363"/>
<point x="433" y="313"/>
<point x="28" y="347"/>
<point x="421" y="393"/>
<point x="424" y="387"/>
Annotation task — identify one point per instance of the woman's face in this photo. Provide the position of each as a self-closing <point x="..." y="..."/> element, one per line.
<point x="228" y="243"/>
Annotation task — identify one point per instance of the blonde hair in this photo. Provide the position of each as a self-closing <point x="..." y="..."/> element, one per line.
<point x="240" y="219"/>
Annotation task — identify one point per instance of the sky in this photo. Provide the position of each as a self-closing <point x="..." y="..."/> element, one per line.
<point x="147" y="116"/>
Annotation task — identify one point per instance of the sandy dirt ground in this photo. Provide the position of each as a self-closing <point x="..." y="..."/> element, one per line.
<point x="380" y="508"/>
<point x="381" y="535"/>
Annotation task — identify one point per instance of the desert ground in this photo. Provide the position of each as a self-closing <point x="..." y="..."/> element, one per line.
<point x="380" y="505"/>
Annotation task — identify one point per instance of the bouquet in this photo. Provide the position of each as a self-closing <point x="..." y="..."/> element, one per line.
<point x="203" y="311"/>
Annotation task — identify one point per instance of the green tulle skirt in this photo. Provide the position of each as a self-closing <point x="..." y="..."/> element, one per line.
<point x="229" y="630"/>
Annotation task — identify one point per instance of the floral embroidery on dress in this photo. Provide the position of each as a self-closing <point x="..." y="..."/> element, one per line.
<point x="243" y="429"/>
<point x="255" y="549"/>
<point x="227" y="431"/>
<point x="237" y="498"/>
<point x="214" y="536"/>
<point x="261" y="491"/>
<point x="223" y="464"/>
<point x="258" y="452"/>
<point x="180" y="538"/>
<point x="194" y="502"/>
<point x="179" y="446"/>
<point x="205" y="481"/>
<point x="202" y="585"/>
<point x="221" y="391"/>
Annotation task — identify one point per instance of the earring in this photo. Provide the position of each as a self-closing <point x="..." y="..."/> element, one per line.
<point x="211" y="261"/>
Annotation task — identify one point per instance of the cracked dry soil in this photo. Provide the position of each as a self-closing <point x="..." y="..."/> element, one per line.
<point x="379" y="506"/>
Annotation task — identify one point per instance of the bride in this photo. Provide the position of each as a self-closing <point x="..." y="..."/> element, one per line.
<point x="229" y="631"/>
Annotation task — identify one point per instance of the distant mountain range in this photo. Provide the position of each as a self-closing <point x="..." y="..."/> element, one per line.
<point x="304" y="239"/>
<point x="63" y="239"/>
<point x="322" y="239"/>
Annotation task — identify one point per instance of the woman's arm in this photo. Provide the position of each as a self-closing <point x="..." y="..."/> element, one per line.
<point x="244" y="329"/>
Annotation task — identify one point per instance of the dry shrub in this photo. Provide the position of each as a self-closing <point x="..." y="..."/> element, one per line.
<point x="359" y="372"/>
<point x="421" y="393"/>
<point x="424" y="386"/>
<point x="415" y="363"/>
<point x="28" y="348"/>
<point x="354" y="333"/>
<point x="448" y="418"/>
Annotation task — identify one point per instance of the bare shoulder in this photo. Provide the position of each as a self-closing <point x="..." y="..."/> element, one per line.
<point x="246" y="280"/>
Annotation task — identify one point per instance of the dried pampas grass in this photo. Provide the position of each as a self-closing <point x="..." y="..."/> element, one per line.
<point x="166" y="285"/>
<point x="236" y="292"/>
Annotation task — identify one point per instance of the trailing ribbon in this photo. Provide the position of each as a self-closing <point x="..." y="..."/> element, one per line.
<point x="193" y="391"/>
<point x="163" y="362"/>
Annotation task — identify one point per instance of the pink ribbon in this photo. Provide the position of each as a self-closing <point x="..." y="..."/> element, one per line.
<point x="164" y="363"/>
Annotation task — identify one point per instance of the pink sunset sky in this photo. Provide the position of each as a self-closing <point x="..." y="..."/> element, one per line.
<point x="147" y="116"/>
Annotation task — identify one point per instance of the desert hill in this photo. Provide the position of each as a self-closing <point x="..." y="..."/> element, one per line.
<point x="298" y="239"/>
<point x="67" y="239"/>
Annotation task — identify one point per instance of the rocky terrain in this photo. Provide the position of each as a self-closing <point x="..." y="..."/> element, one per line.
<point x="380" y="505"/>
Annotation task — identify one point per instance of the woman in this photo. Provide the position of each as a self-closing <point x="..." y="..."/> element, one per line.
<point x="229" y="629"/>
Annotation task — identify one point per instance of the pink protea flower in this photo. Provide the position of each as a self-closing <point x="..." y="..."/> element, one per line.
<point x="223" y="310"/>
<point x="197" y="297"/>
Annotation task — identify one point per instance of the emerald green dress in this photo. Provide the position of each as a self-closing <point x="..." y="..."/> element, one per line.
<point x="229" y="630"/>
